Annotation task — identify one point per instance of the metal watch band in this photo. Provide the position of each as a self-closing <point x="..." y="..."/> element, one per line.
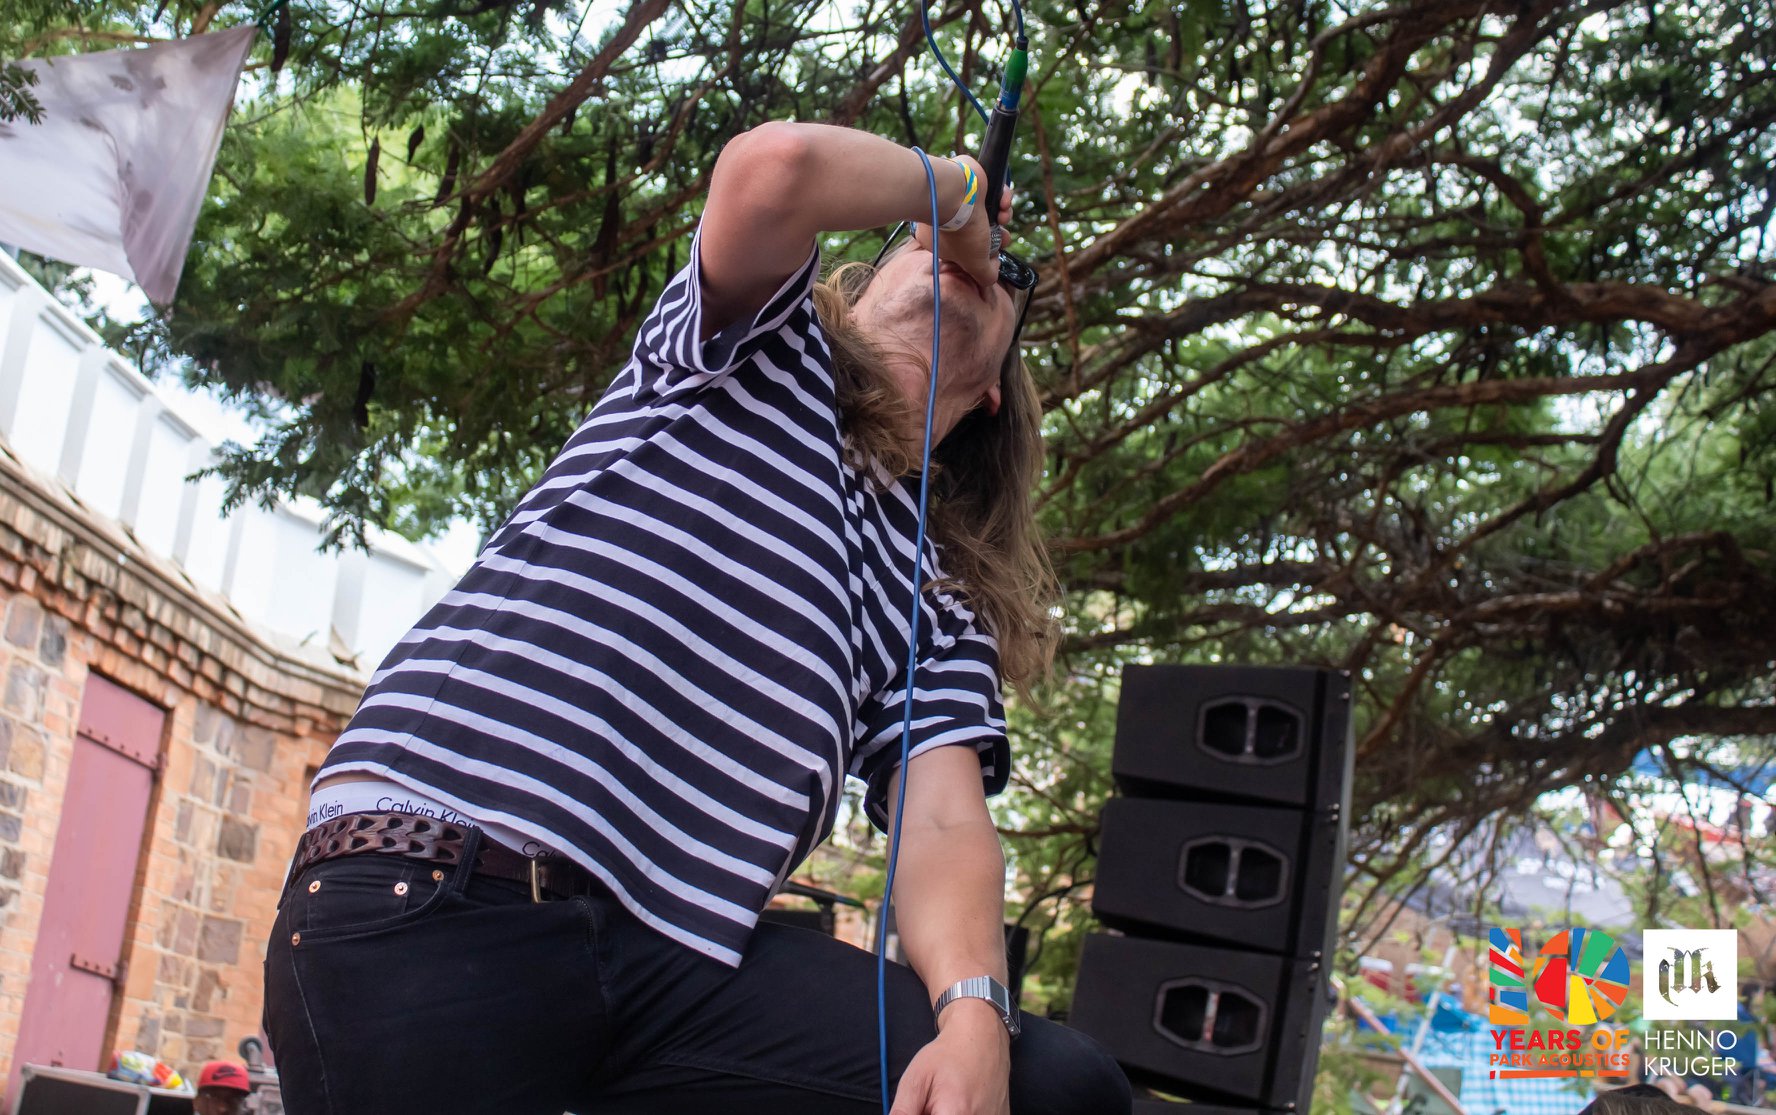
<point x="982" y="987"/>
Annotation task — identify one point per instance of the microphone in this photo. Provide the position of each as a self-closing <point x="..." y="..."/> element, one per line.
<point x="995" y="155"/>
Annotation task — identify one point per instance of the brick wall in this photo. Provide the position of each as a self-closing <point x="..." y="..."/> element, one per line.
<point x="247" y="720"/>
<point x="37" y="711"/>
<point x="229" y="811"/>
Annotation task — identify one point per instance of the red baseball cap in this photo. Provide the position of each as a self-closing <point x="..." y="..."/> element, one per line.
<point x="224" y="1074"/>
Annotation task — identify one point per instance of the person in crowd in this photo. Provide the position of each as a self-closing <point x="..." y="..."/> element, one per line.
<point x="222" y="1089"/>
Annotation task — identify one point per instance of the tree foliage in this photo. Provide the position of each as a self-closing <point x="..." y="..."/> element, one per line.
<point x="1431" y="340"/>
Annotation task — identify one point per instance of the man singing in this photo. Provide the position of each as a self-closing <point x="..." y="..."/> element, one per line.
<point x="542" y="844"/>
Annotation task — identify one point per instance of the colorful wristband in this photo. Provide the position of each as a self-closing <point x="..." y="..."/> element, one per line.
<point x="970" y="194"/>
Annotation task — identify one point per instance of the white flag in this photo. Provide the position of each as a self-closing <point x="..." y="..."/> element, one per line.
<point x="114" y="175"/>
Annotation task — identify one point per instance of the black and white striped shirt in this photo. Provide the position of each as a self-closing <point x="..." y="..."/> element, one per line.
<point x="694" y="626"/>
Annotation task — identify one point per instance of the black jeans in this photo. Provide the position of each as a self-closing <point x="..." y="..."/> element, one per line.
<point x="393" y="985"/>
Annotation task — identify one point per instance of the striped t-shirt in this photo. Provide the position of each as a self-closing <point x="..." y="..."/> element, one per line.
<point x="687" y="634"/>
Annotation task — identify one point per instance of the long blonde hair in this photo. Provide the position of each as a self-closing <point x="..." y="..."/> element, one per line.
<point x="983" y="477"/>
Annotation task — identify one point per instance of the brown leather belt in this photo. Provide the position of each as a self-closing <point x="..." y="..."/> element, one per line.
<point x="422" y="838"/>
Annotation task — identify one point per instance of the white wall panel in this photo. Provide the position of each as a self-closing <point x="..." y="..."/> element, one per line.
<point x="70" y="408"/>
<point x="396" y="594"/>
<point x="205" y="555"/>
<point x="110" y="437"/>
<point x="163" y="487"/>
<point x="301" y="603"/>
<point x="46" y="394"/>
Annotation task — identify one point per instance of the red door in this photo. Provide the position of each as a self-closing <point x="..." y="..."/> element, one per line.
<point x="75" y="968"/>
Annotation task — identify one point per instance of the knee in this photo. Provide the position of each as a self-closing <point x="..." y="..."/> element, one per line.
<point x="1060" y="1071"/>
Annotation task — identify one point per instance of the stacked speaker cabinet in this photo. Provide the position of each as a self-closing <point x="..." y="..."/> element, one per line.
<point x="1218" y="877"/>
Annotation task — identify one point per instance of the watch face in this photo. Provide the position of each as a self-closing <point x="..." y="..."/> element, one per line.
<point x="1001" y="998"/>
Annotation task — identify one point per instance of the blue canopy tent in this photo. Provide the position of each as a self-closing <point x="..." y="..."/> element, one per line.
<point x="1461" y="1041"/>
<point x="1753" y="776"/>
<point x="1458" y="1039"/>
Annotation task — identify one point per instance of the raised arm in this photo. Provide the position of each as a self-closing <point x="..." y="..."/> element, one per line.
<point x="779" y="185"/>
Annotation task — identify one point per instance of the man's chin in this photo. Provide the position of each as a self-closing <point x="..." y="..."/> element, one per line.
<point x="908" y="316"/>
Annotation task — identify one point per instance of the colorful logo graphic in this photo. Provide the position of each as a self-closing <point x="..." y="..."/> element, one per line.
<point x="1690" y="975"/>
<point x="1507" y="989"/>
<point x="1580" y="977"/>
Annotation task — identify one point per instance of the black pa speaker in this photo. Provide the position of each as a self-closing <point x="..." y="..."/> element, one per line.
<point x="1242" y="875"/>
<point x="1268" y="734"/>
<point x="1221" y="867"/>
<point x="1222" y="1025"/>
<point x="63" y="1092"/>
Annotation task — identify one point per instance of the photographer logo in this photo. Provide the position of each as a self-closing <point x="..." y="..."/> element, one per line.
<point x="1689" y="975"/>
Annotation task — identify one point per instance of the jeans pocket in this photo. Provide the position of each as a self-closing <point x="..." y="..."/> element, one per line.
<point x="361" y="895"/>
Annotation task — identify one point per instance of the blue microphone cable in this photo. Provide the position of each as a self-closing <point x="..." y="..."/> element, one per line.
<point x="996" y="151"/>
<point x="925" y="18"/>
<point x="906" y="722"/>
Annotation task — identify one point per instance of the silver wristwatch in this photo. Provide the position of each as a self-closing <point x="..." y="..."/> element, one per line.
<point x="982" y="987"/>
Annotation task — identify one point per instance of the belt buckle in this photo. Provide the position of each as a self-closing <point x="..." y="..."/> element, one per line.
<point x="536" y="882"/>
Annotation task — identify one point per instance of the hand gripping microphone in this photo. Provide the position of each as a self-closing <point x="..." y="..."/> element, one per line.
<point x="995" y="156"/>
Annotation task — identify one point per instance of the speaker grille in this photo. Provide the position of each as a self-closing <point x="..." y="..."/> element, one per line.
<point x="1252" y="730"/>
<point x="1210" y="1016"/>
<point x="1228" y="871"/>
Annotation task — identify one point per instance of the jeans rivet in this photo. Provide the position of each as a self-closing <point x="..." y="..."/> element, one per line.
<point x="314" y="886"/>
<point x="295" y="939"/>
<point x="437" y="876"/>
<point x="400" y="888"/>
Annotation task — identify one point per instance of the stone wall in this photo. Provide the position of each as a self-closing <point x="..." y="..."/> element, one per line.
<point x="229" y="812"/>
<point x="247" y="721"/>
<point x="38" y="708"/>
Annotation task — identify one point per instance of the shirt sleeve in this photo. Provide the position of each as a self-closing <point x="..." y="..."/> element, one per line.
<point x="668" y="357"/>
<point x="955" y="703"/>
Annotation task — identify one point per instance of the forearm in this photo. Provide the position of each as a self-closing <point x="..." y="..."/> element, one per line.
<point x="831" y="179"/>
<point x="949" y="907"/>
<point x="949" y="903"/>
<point x="780" y="185"/>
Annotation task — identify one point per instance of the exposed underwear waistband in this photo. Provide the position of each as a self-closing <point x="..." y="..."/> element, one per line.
<point x="383" y="796"/>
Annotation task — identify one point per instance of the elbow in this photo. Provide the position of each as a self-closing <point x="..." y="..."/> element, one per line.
<point x="776" y="146"/>
<point x="758" y="169"/>
<point x="977" y="835"/>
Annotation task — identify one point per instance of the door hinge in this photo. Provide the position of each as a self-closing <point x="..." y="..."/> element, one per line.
<point x="112" y="972"/>
<point x="135" y="754"/>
